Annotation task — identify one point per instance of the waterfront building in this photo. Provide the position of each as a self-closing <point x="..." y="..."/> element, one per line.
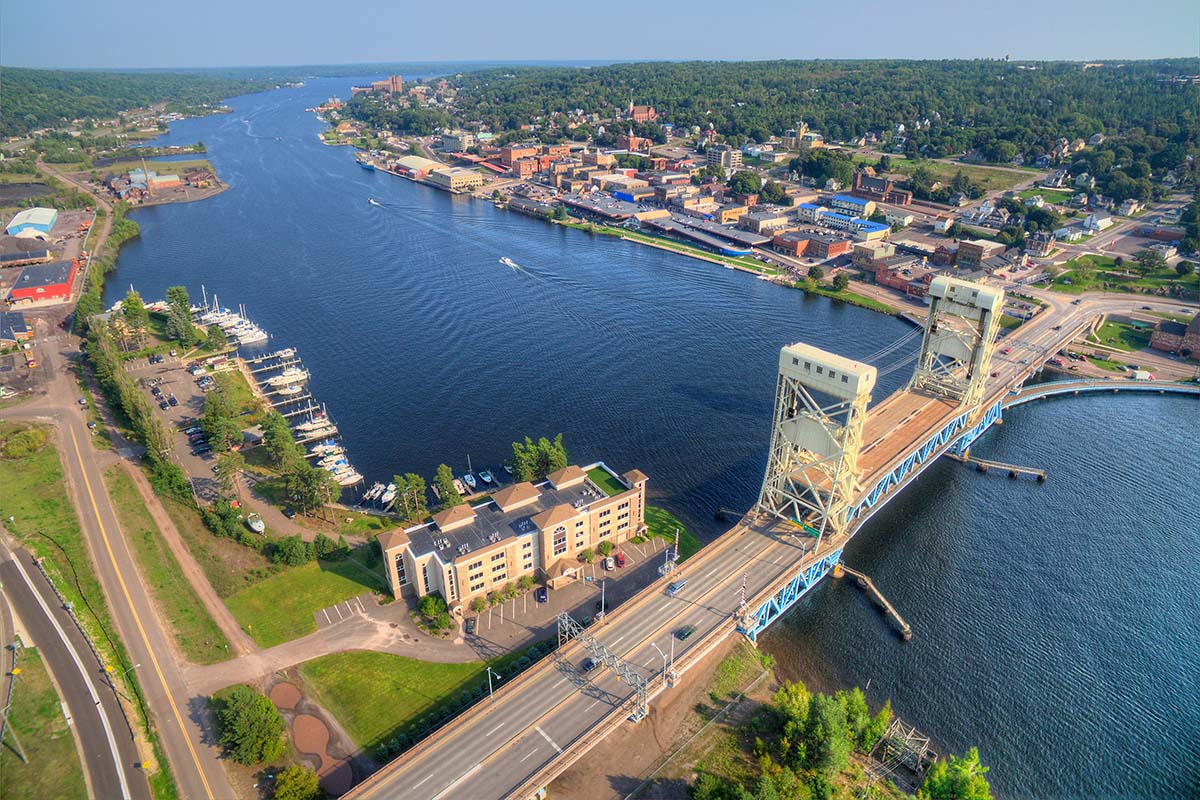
<point x="810" y="212"/>
<point x="511" y="153"/>
<point x="853" y="206"/>
<point x="523" y="529"/>
<point x="418" y="166"/>
<point x="764" y="221"/>
<point x="36" y="219"/>
<point x="1175" y="337"/>
<point x="973" y="252"/>
<point x="28" y="249"/>
<point x="43" y="282"/>
<point x="868" y="254"/>
<point x="456" y="179"/>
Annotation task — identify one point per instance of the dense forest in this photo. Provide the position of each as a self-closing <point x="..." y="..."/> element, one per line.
<point x="39" y="98"/>
<point x="1001" y="108"/>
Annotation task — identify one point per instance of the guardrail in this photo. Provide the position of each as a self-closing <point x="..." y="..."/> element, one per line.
<point x="1052" y="388"/>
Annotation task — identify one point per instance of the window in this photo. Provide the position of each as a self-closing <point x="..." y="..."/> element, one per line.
<point x="623" y="515"/>
<point x="623" y="526"/>
<point x="499" y="578"/>
<point x="498" y="568"/>
<point x="452" y="585"/>
<point x="560" y="540"/>
<point x="795" y="361"/>
<point x="579" y="524"/>
<point x="424" y="578"/>
<point x="820" y="370"/>
<point x="475" y="587"/>
<point x="605" y="513"/>
<point x="475" y="576"/>
<point x="845" y="379"/>
<point x="603" y="532"/>
<point x="623" y="505"/>
<point x="527" y="545"/>
<point x="832" y="374"/>
<point x="476" y="565"/>
<point x="401" y="578"/>
<point x="498" y="556"/>
<point x="808" y="365"/>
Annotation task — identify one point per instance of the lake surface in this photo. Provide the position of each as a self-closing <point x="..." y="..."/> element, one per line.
<point x="1055" y="624"/>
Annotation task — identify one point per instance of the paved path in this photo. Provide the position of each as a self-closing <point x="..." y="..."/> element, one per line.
<point x="109" y="753"/>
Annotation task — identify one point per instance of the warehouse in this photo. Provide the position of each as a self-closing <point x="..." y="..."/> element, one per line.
<point x="18" y="250"/>
<point x="456" y="179"/>
<point x="38" y="219"/>
<point x="43" y="282"/>
<point x="13" y="328"/>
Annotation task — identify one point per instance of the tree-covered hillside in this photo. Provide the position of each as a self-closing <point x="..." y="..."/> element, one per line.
<point x="969" y="103"/>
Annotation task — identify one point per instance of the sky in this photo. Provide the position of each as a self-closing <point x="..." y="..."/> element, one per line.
<point x="210" y="33"/>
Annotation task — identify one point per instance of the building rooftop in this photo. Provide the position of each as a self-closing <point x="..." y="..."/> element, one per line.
<point x="12" y="324"/>
<point x="51" y="274"/>
<point x="34" y="216"/>
<point x="476" y="528"/>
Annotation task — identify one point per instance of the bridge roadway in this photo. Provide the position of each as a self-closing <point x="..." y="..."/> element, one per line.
<point x="552" y="714"/>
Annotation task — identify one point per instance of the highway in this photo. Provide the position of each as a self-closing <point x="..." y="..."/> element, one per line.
<point x="109" y="754"/>
<point x="178" y="721"/>
<point x="546" y="719"/>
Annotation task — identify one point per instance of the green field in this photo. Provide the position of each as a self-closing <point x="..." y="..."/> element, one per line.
<point x="241" y="397"/>
<point x="53" y="769"/>
<point x="1055" y="196"/>
<point x="1100" y="274"/>
<point x="988" y="177"/>
<point x="662" y="523"/>
<point x="380" y="698"/>
<point x="196" y="634"/>
<point x="610" y="485"/>
<point x="280" y="608"/>
<point x="1122" y="336"/>
<point x="230" y="567"/>
<point x="161" y="167"/>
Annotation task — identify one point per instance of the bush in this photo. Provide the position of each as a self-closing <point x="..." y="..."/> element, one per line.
<point x="292" y="551"/>
<point x="323" y="545"/>
<point x="249" y="726"/>
<point x="606" y="548"/>
<point x="297" y="783"/>
<point x="23" y="443"/>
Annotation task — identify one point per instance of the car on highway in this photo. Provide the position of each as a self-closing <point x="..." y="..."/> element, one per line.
<point x="1006" y="350"/>
<point x="1077" y="302"/>
<point x="683" y="633"/>
<point x="541" y="594"/>
<point x="588" y="664"/>
<point x="675" y="588"/>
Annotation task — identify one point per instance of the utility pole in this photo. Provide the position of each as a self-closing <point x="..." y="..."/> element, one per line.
<point x="603" y="607"/>
<point x="4" y="720"/>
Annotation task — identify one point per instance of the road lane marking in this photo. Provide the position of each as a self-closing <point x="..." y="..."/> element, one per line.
<point x="493" y="730"/>
<point x="538" y="728"/>
<point x="423" y="780"/>
<point x="325" y="611"/>
<point x="137" y="617"/>
<point x="83" y="673"/>
<point x="459" y="780"/>
<point x="527" y="755"/>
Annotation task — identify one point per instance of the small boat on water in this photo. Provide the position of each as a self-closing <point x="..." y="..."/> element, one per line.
<point x="508" y="262"/>
<point x="458" y="486"/>
<point x="349" y="478"/>
<point x="374" y="202"/>
<point x="389" y="495"/>
<point x="373" y="492"/>
<point x="317" y="433"/>
<point x="289" y="375"/>
<point x="332" y="460"/>
<point x="470" y="481"/>
<point x="295" y="388"/>
<point x="508" y="468"/>
<point x="286" y="352"/>
<point x="318" y="421"/>
<point x="485" y="476"/>
<point x="252" y="335"/>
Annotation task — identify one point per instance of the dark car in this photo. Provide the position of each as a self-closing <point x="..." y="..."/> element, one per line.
<point x="164" y="405"/>
<point x="197" y="438"/>
<point x="201" y="450"/>
<point x="541" y="594"/>
<point x="588" y="664"/>
<point x="172" y="400"/>
<point x="192" y="429"/>
<point x="157" y="392"/>
<point x="289" y="512"/>
<point x="470" y="626"/>
<point x="683" y="633"/>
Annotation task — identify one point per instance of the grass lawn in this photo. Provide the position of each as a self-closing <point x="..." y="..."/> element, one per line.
<point x="987" y="177"/>
<point x="663" y="523"/>
<point x="196" y="634"/>
<point x="610" y="485"/>
<point x="380" y="697"/>
<point x="53" y="769"/>
<point x="1008" y="323"/>
<point x="240" y="396"/>
<point x="1107" y="364"/>
<point x="847" y="296"/>
<point x="1055" y="196"/>
<point x="161" y="167"/>
<point x="280" y="608"/>
<point x="229" y="566"/>
<point x="1121" y="336"/>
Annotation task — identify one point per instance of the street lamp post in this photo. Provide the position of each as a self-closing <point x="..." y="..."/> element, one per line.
<point x="490" y="674"/>
<point x="664" y="660"/>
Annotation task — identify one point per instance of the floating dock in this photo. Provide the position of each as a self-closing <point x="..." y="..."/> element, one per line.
<point x="868" y="586"/>
<point x="1013" y="470"/>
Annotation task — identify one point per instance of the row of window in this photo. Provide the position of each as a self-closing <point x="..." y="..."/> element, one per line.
<point x="820" y="369"/>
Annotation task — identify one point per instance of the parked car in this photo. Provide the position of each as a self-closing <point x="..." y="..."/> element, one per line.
<point x="171" y="399"/>
<point x="289" y="512"/>
<point x="683" y="633"/>
<point x="192" y="429"/>
<point x="620" y="559"/>
<point x="469" y="628"/>
<point x="588" y="664"/>
<point x="201" y="450"/>
<point x="610" y="563"/>
<point x="157" y="392"/>
<point x="541" y="595"/>
<point x="164" y="405"/>
<point x="83" y="401"/>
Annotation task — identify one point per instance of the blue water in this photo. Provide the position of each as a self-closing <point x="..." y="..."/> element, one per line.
<point x="1055" y="624"/>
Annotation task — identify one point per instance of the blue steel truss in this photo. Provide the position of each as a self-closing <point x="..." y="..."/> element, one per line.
<point x="989" y="419"/>
<point x="777" y="604"/>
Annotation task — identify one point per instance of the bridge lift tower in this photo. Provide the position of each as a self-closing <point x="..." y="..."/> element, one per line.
<point x="960" y="336"/>
<point x="812" y="469"/>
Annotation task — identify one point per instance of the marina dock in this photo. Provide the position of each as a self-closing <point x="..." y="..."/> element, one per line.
<point x="868" y="586"/>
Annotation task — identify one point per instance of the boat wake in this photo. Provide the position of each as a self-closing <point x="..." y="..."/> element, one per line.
<point x="374" y="202"/>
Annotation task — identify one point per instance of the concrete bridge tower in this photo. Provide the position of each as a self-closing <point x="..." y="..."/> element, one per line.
<point x="960" y="335"/>
<point x="812" y="470"/>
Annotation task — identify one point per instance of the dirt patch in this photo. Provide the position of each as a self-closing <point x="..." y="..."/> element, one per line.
<point x="13" y="193"/>
<point x="619" y="764"/>
<point x="285" y="696"/>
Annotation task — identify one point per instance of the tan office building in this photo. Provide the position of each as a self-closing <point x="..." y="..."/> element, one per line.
<point x="524" y="529"/>
<point x="456" y="179"/>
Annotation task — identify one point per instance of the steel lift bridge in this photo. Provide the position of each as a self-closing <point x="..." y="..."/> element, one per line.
<point x="821" y="481"/>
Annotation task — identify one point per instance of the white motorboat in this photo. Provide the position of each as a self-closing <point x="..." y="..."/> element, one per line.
<point x="508" y="262"/>
<point x="485" y="476"/>
<point x="289" y="375"/>
<point x="338" y="464"/>
<point x="255" y="523"/>
<point x="252" y="335"/>
<point x="470" y="481"/>
<point x="295" y="388"/>
<point x="326" y="430"/>
<point x="373" y="492"/>
<point x="508" y="469"/>
<point x="326" y="447"/>
<point x="349" y="478"/>
<point x="318" y="421"/>
<point x="286" y="352"/>
<point x="332" y="460"/>
<point x="389" y="495"/>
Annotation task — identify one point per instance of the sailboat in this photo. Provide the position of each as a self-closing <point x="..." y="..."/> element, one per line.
<point x="468" y="478"/>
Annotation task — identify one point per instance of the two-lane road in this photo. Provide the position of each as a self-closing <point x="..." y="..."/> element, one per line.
<point x="110" y="755"/>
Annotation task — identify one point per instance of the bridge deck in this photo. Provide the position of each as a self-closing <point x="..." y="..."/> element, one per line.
<point x="896" y="425"/>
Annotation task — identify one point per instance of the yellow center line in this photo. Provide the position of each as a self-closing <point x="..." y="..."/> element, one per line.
<point x="145" y="639"/>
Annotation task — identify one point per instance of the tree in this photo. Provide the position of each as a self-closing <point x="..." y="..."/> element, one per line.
<point x="885" y="164"/>
<point x="444" y="481"/>
<point x="826" y="746"/>
<point x="956" y="779"/>
<point x="411" y="499"/>
<point x="293" y="551"/>
<point x="297" y="783"/>
<point x="229" y="466"/>
<point x="216" y="340"/>
<point x="1184" y="268"/>
<point x="478" y="604"/>
<point x="250" y="727"/>
<point x="278" y="441"/>
<point x="135" y="316"/>
<point x="605" y="548"/>
<point x="525" y="583"/>
<point x="323" y="546"/>
<point x="841" y="281"/>
<point x="816" y="273"/>
<point x="1151" y="261"/>
<point x="745" y="182"/>
<point x="587" y="555"/>
<point x="773" y="193"/>
<point x="219" y="424"/>
<point x="179" y="315"/>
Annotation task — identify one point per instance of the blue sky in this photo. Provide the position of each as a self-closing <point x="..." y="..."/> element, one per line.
<point x="170" y="33"/>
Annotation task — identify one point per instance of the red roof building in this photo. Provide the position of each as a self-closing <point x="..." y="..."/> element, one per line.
<point x="44" y="282"/>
